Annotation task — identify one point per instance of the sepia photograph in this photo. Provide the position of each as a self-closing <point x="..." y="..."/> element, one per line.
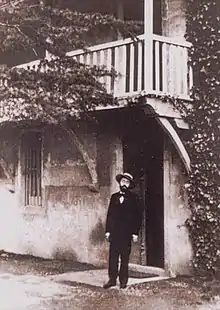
<point x="109" y="154"/>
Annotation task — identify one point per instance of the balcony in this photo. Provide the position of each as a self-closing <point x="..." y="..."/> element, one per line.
<point x="170" y="73"/>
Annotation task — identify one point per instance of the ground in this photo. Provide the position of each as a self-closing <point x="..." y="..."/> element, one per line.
<point x="32" y="283"/>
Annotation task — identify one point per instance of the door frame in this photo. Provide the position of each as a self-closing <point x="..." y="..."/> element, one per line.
<point x="143" y="179"/>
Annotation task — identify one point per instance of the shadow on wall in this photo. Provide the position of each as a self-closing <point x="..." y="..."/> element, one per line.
<point x="65" y="254"/>
<point x="50" y="235"/>
<point x="33" y="234"/>
<point x="97" y="235"/>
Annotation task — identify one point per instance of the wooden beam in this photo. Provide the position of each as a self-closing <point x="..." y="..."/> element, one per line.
<point x="89" y="161"/>
<point x="148" y="50"/>
<point x="168" y="128"/>
<point x="181" y="123"/>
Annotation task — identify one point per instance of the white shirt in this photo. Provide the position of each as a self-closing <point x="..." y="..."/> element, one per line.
<point x="121" y="198"/>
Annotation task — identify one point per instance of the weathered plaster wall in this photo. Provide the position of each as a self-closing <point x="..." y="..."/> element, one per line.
<point x="71" y="227"/>
<point x="71" y="222"/>
<point x="9" y="138"/>
<point x="173" y="18"/>
<point x="63" y="163"/>
<point x="178" y="250"/>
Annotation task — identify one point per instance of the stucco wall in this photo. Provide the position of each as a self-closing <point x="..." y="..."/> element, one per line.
<point x="72" y="227"/>
<point x="71" y="222"/>
<point x="178" y="250"/>
<point x="173" y="18"/>
<point x="9" y="232"/>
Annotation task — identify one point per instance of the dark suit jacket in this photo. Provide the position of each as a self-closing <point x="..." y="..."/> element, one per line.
<point x="124" y="219"/>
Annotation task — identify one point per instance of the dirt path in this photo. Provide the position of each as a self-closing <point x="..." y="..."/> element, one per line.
<point x="25" y="284"/>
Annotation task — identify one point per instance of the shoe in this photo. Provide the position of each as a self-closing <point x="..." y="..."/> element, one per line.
<point x="123" y="285"/>
<point x="109" y="284"/>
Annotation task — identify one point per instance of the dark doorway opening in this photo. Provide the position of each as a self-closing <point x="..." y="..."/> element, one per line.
<point x="143" y="157"/>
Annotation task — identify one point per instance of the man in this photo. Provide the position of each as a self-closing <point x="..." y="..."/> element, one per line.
<point x="123" y="223"/>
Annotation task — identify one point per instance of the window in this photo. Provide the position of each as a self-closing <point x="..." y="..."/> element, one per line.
<point x="32" y="169"/>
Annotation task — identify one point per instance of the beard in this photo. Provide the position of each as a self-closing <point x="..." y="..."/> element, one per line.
<point x="123" y="188"/>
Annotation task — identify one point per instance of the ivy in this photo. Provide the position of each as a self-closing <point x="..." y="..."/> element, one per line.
<point x="34" y="24"/>
<point x="61" y="88"/>
<point x="54" y="91"/>
<point x="203" y="186"/>
<point x="203" y="144"/>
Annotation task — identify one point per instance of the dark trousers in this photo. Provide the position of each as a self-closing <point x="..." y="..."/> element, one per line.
<point x="123" y="251"/>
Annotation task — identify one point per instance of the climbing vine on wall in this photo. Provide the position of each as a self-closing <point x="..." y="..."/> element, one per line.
<point x="62" y="87"/>
<point x="203" y="143"/>
<point x="203" y="19"/>
<point x="59" y="89"/>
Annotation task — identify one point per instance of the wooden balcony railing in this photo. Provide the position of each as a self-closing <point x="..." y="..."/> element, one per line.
<point x="171" y="72"/>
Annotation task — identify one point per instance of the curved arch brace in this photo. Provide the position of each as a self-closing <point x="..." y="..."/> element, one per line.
<point x="168" y="128"/>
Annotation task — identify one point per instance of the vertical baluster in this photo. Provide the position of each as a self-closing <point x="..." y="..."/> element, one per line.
<point x="174" y="75"/>
<point x="95" y="61"/>
<point x="123" y="65"/>
<point x="116" y="67"/>
<point x="171" y="69"/>
<point x="140" y="66"/>
<point x="95" y="58"/>
<point x="178" y="70"/>
<point x="164" y="67"/>
<point x="105" y="64"/>
<point x="81" y="58"/>
<point x="131" y="75"/>
<point x="101" y="63"/>
<point x="87" y="59"/>
<point x="25" y="176"/>
<point x="108" y="66"/>
<point x="34" y="177"/>
<point x="40" y="170"/>
<point x="157" y="66"/>
<point x="185" y="71"/>
<point x="30" y="176"/>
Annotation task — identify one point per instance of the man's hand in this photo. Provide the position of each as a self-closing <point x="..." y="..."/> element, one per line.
<point x="107" y="235"/>
<point x="134" y="238"/>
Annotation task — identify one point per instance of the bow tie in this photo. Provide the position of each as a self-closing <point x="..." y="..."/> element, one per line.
<point x="121" y="194"/>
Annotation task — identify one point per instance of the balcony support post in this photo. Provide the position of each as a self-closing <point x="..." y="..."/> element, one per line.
<point x="148" y="46"/>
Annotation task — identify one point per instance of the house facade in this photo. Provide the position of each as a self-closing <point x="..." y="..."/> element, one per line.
<point x="55" y="187"/>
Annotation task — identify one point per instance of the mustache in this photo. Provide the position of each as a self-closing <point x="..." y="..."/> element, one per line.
<point x="124" y="187"/>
